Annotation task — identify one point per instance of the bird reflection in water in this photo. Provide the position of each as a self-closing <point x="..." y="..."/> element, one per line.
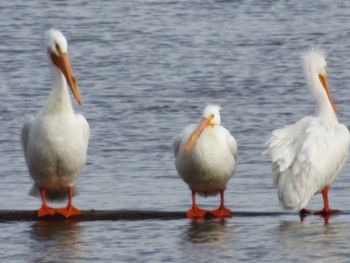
<point x="56" y="240"/>
<point x="306" y="238"/>
<point x="206" y="231"/>
<point x="326" y="217"/>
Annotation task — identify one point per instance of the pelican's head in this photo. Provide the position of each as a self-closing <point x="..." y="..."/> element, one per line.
<point x="57" y="49"/>
<point x="211" y="117"/>
<point x="315" y="64"/>
<point x="212" y="113"/>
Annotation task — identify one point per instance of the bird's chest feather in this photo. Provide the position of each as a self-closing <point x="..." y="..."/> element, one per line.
<point x="57" y="139"/>
<point x="208" y="143"/>
<point x="210" y="151"/>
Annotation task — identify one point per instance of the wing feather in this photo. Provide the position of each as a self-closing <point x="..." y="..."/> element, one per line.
<point x="232" y="144"/>
<point x="306" y="157"/>
<point x="177" y="143"/>
<point x="184" y="135"/>
<point x="85" y="128"/>
<point x="25" y="136"/>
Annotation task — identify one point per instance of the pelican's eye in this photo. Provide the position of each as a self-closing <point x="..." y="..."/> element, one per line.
<point x="212" y="117"/>
<point x="58" y="49"/>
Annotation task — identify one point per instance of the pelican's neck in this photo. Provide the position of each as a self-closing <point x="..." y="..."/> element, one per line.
<point x="325" y="108"/>
<point x="59" y="100"/>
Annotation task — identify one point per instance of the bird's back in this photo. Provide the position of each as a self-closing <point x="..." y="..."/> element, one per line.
<point x="306" y="157"/>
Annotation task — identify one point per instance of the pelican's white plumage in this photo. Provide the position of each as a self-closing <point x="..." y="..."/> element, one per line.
<point x="211" y="161"/>
<point x="308" y="156"/>
<point x="55" y="142"/>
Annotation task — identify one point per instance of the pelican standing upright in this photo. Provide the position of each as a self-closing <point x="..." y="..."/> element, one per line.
<point x="55" y="142"/>
<point x="206" y="159"/>
<point x="308" y="155"/>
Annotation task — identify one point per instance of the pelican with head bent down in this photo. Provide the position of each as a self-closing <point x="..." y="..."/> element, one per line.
<point x="206" y="159"/>
<point x="308" y="155"/>
<point x="55" y="142"/>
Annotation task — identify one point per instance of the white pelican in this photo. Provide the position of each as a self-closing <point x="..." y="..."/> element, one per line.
<point x="206" y="159"/>
<point x="55" y="142"/>
<point x="307" y="156"/>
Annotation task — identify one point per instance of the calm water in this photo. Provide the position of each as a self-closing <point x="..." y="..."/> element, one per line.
<point x="146" y="69"/>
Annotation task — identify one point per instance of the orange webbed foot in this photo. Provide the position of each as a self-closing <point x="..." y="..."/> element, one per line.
<point x="68" y="211"/>
<point x="221" y="212"/>
<point x="196" y="213"/>
<point x="328" y="211"/>
<point x="46" y="211"/>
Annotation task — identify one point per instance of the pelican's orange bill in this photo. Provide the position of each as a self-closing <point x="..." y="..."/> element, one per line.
<point x="195" y="135"/>
<point x="324" y="82"/>
<point x="62" y="62"/>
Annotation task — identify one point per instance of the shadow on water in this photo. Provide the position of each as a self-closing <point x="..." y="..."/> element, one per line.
<point x="56" y="241"/>
<point x="207" y="231"/>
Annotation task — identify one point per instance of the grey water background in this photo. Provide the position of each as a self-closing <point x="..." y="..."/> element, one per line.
<point x="146" y="69"/>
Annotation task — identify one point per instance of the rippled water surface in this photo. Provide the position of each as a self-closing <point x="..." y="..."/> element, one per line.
<point x="146" y="69"/>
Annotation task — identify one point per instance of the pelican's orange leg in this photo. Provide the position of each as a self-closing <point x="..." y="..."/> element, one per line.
<point x="222" y="211"/>
<point x="70" y="210"/>
<point x="326" y="209"/>
<point x="45" y="210"/>
<point x="195" y="211"/>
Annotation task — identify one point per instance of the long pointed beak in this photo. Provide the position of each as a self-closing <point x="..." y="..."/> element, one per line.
<point x="62" y="62"/>
<point x="324" y="82"/>
<point x="195" y="135"/>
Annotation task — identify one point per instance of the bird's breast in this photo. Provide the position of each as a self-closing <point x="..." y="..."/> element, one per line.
<point x="209" y="157"/>
<point x="56" y="143"/>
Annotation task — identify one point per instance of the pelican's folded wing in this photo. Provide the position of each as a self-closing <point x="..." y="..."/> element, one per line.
<point x="306" y="157"/>
<point x="85" y="128"/>
<point x="232" y="144"/>
<point x="290" y="169"/>
<point x="25" y="136"/>
<point x="177" y="143"/>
